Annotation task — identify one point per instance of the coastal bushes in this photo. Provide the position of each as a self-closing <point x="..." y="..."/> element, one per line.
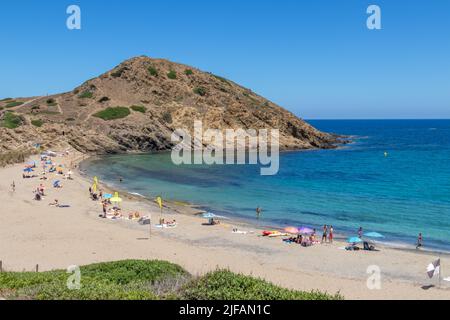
<point x="226" y="285"/>
<point x="13" y="104"/>
<point x="86" y="95"/>
<point x="167" y="117"/>
<point x="172" y="75"/>
<point x="113" y="113"/>
<point x="37" y="123"/>
<point x="140" y="109"/>
<point x="11" y="121"/>
<point x="153" y="72"/>
<point x="144" y="280"/>
<point x="103" y="99"/>
<point x="188" y="72"/>
<point x="200" y="91"/>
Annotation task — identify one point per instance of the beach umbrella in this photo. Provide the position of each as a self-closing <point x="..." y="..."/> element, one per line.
<point x="107" y="196"/>
<point x="56" y="183"/>
<point x="373" y="235"/>
<point x="305" y="230"/>
<point x="354" y="240"/>
<point x="116" y="198"/>
<point x="28" y="170"/>
<point x="209" y="215"/>
<point x="292" y="230"/>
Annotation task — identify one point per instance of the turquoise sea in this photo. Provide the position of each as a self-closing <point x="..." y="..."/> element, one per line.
<point x="400" y="195"/>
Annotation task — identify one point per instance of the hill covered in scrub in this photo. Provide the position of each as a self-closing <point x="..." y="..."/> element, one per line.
<point x="145" y="280"/>
<point x="136" y="106"/>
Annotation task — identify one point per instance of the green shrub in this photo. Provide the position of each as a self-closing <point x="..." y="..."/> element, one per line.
<point x="222" y="79"/>
<point x="5" y="99"/>
<point x="86" y="95"/>
<point x="167" y="117"/>
<point x="70" y="119"/>
<point x="225" y="285"/>
<point x="13" y="104"/>
<point x="188" y="72"/>
<point x="37" y="123"/>
<point x="200" y="91"/>
<point x="141" y="109"/>
<point x="128" y="271"/>
<point x="118" y="73"/>
<point x="153" y="72"/>
<point x="51" y="101"/>
<point x="172" y="75"/>
<point x="11" y="121"/>
<point x="103" y="99"/>
<point x="113" y="113"/>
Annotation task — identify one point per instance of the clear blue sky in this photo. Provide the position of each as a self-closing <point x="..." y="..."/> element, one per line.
<point x="315" y="58"/>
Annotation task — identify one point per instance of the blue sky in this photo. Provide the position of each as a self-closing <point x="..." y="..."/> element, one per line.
<point x="316" y="58"/>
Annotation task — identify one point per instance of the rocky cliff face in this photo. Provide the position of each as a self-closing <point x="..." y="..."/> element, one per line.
<point x="160" y="96"/>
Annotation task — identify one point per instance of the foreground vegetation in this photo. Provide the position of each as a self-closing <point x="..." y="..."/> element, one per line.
<point x="144" y="280"/>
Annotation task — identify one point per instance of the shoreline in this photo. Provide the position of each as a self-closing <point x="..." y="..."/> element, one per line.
<point x="397" y="243"/>
<point x="32" y="232"/>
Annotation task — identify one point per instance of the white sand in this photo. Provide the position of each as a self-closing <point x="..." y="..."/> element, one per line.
<point x="34" y="233"/>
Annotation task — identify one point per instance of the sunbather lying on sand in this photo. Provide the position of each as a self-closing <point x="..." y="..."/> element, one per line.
<point x="55" y="203"/>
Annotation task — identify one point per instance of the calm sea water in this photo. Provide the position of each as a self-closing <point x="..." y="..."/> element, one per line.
<point x="400" y="195"/>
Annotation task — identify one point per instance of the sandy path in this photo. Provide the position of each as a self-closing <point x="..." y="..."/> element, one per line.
<point x="33" y="233"/>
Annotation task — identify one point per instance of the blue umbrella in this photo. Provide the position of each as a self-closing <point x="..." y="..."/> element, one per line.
<point x="107" y="196"/>
<point x="373" y="235"/>
<point x="28" y="170"/>
<point x="354" y="240"/>
<point x="209" y="215"/>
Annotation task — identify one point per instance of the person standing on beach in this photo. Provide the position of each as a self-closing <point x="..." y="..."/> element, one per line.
<point x="324" y="234"/>
<point x="13" y="187"/>
<point x="104" y="209"/>
<point x="330" y="235"/>
<point x="419" y="241"/>
<point x="360" y="232"/>
<point x="258" y="212"/>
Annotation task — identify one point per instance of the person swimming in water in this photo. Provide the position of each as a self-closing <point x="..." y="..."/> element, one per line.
<point x="258" y="212"/>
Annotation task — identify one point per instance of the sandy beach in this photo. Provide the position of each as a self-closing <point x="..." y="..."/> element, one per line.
<point x="33" y="232"/>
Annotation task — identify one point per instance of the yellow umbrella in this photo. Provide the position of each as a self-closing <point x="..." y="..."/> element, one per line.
<point x="95" y="180"/>
<point x="94" y="187"/>
<point x="159" y="202"/>
<point x="116" y="198"/>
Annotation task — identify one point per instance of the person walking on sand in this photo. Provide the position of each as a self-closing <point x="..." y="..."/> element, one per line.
<point x="419" y="241"/>
<point x="324" y="234"/>
<point x="13" y="187"/>
<point x="104" y="209"/>
<point x="258" y="212"/>
<point x="330" y="235"/>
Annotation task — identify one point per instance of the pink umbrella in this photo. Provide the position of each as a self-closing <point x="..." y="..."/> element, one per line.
<point x="292" y="230"/>
<point x="305" y="230"/>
